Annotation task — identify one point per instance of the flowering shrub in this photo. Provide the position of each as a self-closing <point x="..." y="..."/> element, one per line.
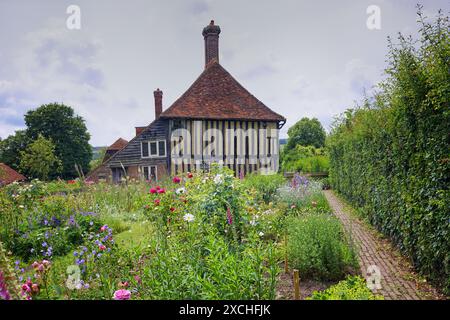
<point x="303" y="195"/>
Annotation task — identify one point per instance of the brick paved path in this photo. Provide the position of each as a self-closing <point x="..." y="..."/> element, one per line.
<point x="398" y="282"/>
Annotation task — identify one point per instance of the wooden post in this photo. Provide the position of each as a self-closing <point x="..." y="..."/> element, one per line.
<point x="296" y="285"/>
<point x="286" y="265"/>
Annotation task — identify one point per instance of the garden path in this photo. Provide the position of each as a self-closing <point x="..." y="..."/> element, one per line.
<point x="397" y="278"/>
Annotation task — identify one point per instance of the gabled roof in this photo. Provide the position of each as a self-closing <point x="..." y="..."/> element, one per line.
<point x="118" y="145"/>
<point x="9" y="175"/>
<point x="217" y="95"/>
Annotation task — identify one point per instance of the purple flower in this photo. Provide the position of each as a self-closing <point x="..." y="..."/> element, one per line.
<point x="44" y="244"/>
<point x="4" y="294"/>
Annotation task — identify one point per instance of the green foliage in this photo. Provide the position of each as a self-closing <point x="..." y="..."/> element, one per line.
<point x="306" y="132"/>
<point x="99" y="156"/>
<point x="305" y="159"/>
<point x="11" y="147"/>
<point x="390" y="156"/>
<point x="39" y="160"/>
<point x="266" y="186"/>
<point x="352" y="288"/>
<point x="318" y="247"/>
<point x="67" y="131"/>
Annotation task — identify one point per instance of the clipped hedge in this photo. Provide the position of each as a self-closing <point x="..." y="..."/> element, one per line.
<point x="391" y="156"/>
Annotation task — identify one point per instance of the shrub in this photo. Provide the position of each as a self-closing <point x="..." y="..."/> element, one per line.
<point x="305" y="159"/>
<point x="352" y="288"/>
<point x="265" y="185"/>
<point x="391" y="158"/>
<point x="318" y="247"/>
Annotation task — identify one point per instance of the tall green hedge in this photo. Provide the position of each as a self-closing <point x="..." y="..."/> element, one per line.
<point x="391" y="155"/>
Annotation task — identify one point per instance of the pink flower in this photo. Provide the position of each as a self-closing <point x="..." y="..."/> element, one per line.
<point x="35" y="264"/>
<point x="102" y="247"/>
<point x="153" y="190"/>
<point x="176" y="179"/>
<point x="137" y="278"/>
<point x="122" y="294"/>
<point x="162" y="190"/>
<point x="103" y="228"/>
<point x="229" y="216"/>
<point x="157" y="188"/>
<point x="25" y="288"/>
<point x="123" y="284"/>
<point x="157" y="201"/>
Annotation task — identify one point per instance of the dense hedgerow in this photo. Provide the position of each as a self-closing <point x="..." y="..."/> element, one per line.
<point x="391" y="155"/>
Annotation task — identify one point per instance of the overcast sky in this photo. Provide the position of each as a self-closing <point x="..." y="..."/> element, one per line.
<point x="301" y="58"/>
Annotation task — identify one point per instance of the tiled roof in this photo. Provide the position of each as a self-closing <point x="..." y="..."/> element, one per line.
<point x="9" y="175"/>
<point x="118" y="145"/>
<point x="217" y="95"/>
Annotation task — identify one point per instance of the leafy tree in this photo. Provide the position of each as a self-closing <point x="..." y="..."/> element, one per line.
<point x="68" y="133"/>
<point x="306" y="132"/>
<point x="39" y="159"/>
<point x="98" y="158"/>
<point x="11" y="147"/>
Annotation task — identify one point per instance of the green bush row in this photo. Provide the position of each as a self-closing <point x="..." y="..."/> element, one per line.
<point x="391" y="156"/>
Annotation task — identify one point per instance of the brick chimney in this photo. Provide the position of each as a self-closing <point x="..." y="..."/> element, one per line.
<point x="158" y="102"/>
<point x="211" y="36"/>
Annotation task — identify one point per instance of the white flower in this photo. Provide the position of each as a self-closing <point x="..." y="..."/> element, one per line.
<point x="180" y="190"/>
<point x="261" y="233"/>
<point x="188" y="217"/>
<point x="21" y="207"/>
<point x="218" y="179"/>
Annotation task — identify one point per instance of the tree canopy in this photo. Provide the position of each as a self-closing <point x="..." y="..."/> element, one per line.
<point x="306" y="132"/>
<point x="67" y="131"/>
<point x="39" y="159"/>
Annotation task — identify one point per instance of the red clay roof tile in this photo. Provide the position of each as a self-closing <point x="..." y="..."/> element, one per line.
<point x="9" y="175"/>
<point x="217" y="95"/>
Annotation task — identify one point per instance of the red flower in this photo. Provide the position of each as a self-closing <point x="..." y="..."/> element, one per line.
<point x="157" y="201"/>
<point x="190" y="175"/>
<point x="71" y="181"/>
<point x="102" y="247"/>
<point x="153" y="190"/>
<point x="161" y="190"/>
<point x="176" y="180"/>
<point x="157" y="188"/>
<point x="172" y="209"/>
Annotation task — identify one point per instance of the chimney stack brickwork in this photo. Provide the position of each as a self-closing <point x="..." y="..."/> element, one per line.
<point x="158" y="102"/>
<point x="211" y="36"/>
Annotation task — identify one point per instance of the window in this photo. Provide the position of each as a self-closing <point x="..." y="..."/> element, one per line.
<point x="152" y="149"/>
<point x="145" y="149"/>
<point x="150" y="173"/>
